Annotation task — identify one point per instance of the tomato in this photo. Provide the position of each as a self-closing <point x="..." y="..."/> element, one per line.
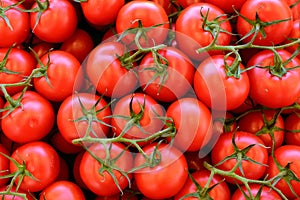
<point x="264" y="9"/>
<point x="27" y="123"/>
<point x="224" y="147"/>
<point x="61" y="190"/>
<point x="193" y="122"/>
<point x="40" y="160"/>
<point x="195" y="162"/>
<point x="60" y="76"/>
<point x="196" y="35"/>
<point x="186" y="3"/>
<point x="61" y="144"/>
<point x="151" y="181"/>
<point x="79" y="44"/>
<point x="42" y="48"/>
<point x="64" y="173"/>
<point x="83" y="106"/>
<point x="263" y="124"/>
<point x="28" y="195"/>
<point x="57" y="22"/>
<point x="20" y="63"/>
<point x="101" y="13"/>
<point x="292" y="125"/>
<point x="295" y="7"/>
<point x="266" y="193"/>
<point x="106" y="72"/>
<point x="287" y="154"/>
<point x="294" y="34"/>
<point x="101" y="182"/>
<point x="4" y="165"/>
<point x="18" y="28"/>
<point x="205" y="83"/>
<point x="179" y="75"/>
<point x="220" y="191"/>
<point x="135" y="12"/>
<point x="269" y="80"/>
<point x="227" y="6"/>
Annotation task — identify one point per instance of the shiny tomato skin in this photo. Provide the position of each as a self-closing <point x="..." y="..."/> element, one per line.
<point x="180" y="71"/>
<point x="266" y="193"/>
<point x="61" y="190"/>
<point x="173" y="167"/>
<point x="27" y="123"/>
<point x="103" y="184"/>
<point x="258" y="153"/>
<point x="267" y="89"/>
<point x="57" y="23"/>
<point x="41" y="160"/>
<point x="62" y="145"/>
<point x="219" y="192"/>
<point x="19" y="21"/>
<point x="264" y="9"/>
<point x="227" y="6"/>
<point x="292" y="127"/>
<point x="286" y="154"/>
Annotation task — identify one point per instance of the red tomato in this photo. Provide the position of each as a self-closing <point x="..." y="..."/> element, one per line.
<point x="90" y="168"/>
<point x="193" y="122"/>
<point x="287" y="154"/>
<point x="15" y="25"/>
<point x="266" y="193"/>
<point x="195" y="161"/>
<point x="220" y="190"/>
<point x="61" y="144"/>
<point x="101" y="13"/>
<point x="76" y="171"/>
<point x="151" y="181"/>
<point x="178" y="74"/>
<point x="196" y="34"/>
<point x="42" y="48"/>
<point x="294" y="34"/>
<point x="60" y="77"/>
<point x="235" y="90"/>
<point x="61" y="190"/>
<point x="64" y="173"/>
<point x="224" y="147"/>
<point x="292" y="125"/>
<point x="4" y="165"/>
<point x="295" y="7"/>
<point x="79" y="44"/>
<point x="186" y="3"/>
<point x="20" y="62"/>
<point x="40" y="160"/>
<point x="227" y="6"/>
<point x="27" y="123"/>
<point x="83" y="106"/>
<point x="263" y="124"/>
<point x="106" y="72"/>
<point x="134" y="12"/>
<point x="267" y="88"/>
<point x="28" y="195"/>
<point x="56" y="23"/>
<point x="264" y="10"/>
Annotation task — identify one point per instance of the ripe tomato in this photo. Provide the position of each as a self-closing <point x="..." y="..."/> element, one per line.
<point x="83" y="106"/>
<point x="28" y="195"/>
<point x="224" y="147"/>
<point x="193" y="122"/>
<point x="186" y="3"/>
<point x="287" y="154"/>
<point x="14" y="27"/>
<point x="196" y="34"/>
<point x="64" y="173"/>
<point x="227" y="6"/>
<point x="60" y="143"/>
<point x="57" y="22"/>
<point x="20" y="62"/>
<point x="101" y="182"/>
<point x="62" y="74"/>
<point x="76" y="171"/>
<point x="4" y="165"/>
<point x="42" y="48"/>
<point x="220" y="190"/>
<point x="292" y="127"/>
<point x="264" y="9"/>
<point x="135" y="12"/>
<point x="40" y="160"/>
<point x="295" y="7"/>
<point x="106" y="72"/>
<point x="267" y="88"/>
<point x="235" y="90"/>
<point x="61" y="190"/>
<point x="266" y="193"/>
<point x="263" y="124"/>
<point x="151" y="181"/>
<point x="294" y="34"/>
<point x="27" y="123"/>
<point x="195" y="162"/>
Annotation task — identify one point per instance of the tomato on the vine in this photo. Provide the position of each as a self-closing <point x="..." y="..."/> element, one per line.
<point x="256" y="192"/>
<point x="292" y="127"/>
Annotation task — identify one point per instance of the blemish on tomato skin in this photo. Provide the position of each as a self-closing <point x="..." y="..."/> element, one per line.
<point x="266" y="90"/>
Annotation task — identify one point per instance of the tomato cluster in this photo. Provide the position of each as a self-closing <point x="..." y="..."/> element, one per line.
<point x="158" y="99"/>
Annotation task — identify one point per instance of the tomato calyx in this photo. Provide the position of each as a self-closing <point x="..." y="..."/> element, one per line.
<point x="41" y="7"/>
<point x="3" y="63"/>
<point x="4" y="9"/>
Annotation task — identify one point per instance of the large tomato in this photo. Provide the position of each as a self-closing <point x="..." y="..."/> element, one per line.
<point x="38" y="159"/>
<point x="249" y="169"/>
<point x="292" y="127"/>
<point x="256" y="192"/>
<point x="211" y="77"/>
<point x="14" y="24"/>
<point x="56" y="23"/>
<point x="274" y="84"/>
<point x="151" y="181"/>
<point x="192" y="32"/>
<point x="97" y="178"/>
<point x="264" y="10"/>
<point x="30" y="121"/>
